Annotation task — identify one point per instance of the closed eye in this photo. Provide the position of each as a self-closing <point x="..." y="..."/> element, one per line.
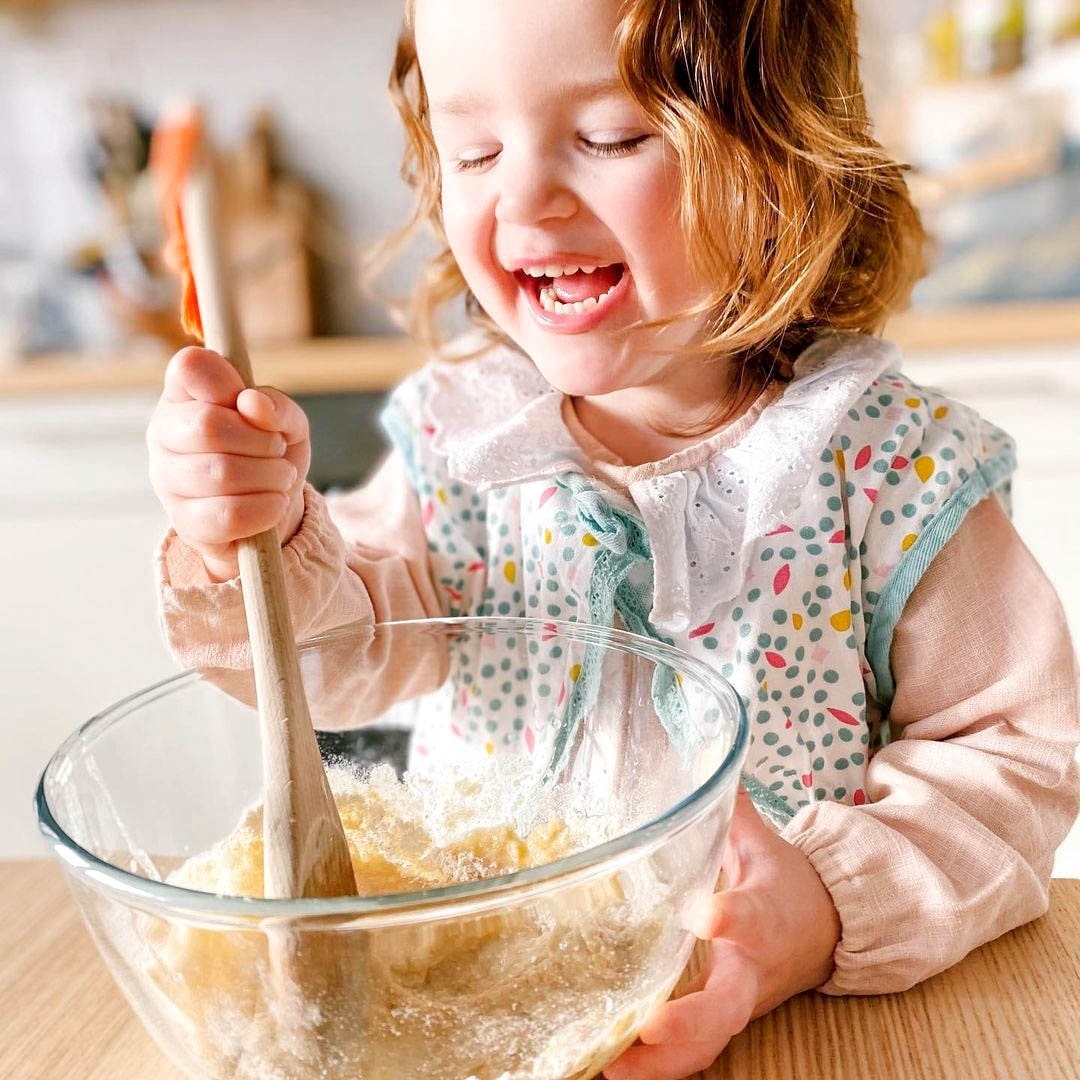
<point x="465" y="164"/>
<point x="615" y="149"/>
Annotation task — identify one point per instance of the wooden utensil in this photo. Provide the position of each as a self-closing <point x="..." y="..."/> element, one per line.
<point x="304" y="848"/>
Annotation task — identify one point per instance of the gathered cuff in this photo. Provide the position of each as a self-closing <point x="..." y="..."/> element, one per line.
<point x="204" y="621"/>
<point x="859" y="863"/>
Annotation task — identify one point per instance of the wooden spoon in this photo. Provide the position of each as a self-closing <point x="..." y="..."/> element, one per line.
<point x="304" y="848"/>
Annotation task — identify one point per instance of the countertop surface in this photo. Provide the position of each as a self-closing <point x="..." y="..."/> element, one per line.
<point x="1010" y="1010"/>
<point x="376" y="363"/>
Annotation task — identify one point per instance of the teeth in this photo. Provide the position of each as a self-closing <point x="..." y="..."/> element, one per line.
<point x="557" y="307"/>
<point x="553" y="271"/>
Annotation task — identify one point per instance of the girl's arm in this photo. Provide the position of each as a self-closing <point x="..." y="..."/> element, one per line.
<point x="979" y="785"/>
<point x="356" y="557"/>
<point x="970" y="802"/>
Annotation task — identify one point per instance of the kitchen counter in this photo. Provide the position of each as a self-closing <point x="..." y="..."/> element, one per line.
<point x="1011" y="1009"/>
<point x="374" y="364"/>
<point x="328" y="365"/>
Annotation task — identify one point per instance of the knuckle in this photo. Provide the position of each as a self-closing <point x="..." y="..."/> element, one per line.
<point x="205" y="424"/>
<point x="229" y="520"/>
<point x="217" y="471"/>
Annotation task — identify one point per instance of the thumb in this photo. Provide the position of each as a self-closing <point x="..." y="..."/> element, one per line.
<point x="747" y="823"/>
<point x="196" y="374"/>
<point x="750" y="838"/>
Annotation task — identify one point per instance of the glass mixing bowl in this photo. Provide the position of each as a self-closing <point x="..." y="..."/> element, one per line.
<point x="532" y="805"/>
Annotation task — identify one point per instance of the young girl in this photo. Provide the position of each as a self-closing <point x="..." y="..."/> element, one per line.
<point x="676" y="237"/>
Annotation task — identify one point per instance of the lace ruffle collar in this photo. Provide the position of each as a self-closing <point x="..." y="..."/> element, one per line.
<point x="499" y="422"/>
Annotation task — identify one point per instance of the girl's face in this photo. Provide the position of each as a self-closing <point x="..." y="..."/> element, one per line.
<point x="559" y="200"/>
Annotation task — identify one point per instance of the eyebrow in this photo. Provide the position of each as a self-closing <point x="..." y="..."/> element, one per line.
<point x="470" y="104"/>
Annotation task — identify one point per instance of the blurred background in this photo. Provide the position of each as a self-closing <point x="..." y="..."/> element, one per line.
<point x="981" y="97"/>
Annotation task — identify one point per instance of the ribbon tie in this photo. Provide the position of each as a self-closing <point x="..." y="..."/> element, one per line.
<point x="623" y="542"/>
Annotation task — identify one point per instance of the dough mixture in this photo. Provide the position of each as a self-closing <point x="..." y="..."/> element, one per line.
<point x="552" y="987"/>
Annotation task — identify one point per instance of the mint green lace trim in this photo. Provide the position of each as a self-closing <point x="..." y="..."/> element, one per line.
<point x="987" y="476"/>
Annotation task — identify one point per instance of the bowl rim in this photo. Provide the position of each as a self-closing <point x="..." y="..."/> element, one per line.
<point x="446" y="900"/>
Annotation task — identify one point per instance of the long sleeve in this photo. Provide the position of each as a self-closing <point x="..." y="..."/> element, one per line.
<point x="979" y="784"/>
<point x="356" y="557"/>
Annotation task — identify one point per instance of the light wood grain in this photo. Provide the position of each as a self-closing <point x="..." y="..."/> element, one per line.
<point x="326" y="365"/>
<point x="1010" y="1011"/>
<point x="304" y="848"/>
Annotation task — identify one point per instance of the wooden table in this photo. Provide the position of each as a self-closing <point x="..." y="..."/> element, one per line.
<point x="1011" y="1010"/>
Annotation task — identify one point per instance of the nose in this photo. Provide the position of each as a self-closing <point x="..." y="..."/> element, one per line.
<point x="532" y="190"/>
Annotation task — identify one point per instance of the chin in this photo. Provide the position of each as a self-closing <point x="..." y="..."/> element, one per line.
<point x="580" y="372"/>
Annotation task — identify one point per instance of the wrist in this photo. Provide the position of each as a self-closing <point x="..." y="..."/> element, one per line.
<point x="804" y="959"/>
<point x="220" y="568"/>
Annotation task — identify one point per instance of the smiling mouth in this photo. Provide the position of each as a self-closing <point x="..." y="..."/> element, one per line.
<point x="572" y="290"/>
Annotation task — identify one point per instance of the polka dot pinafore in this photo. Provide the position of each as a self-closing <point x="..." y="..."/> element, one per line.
<point x="783" y="560"/>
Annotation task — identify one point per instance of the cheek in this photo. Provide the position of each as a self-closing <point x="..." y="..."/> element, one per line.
<point x="463" y="222"/>
<point x="455" y="224"/>
<point x="648" y="215"/>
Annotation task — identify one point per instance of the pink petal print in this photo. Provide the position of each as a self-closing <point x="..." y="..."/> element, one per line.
<point x="844" y="717"/>
<point x="870" y="493"/>
<point x="464" y="698"/>
<point x="428" y="429"/>
<point x="422" y="750"/>
<point x="783" y="576"/>
<point x="787" y="723"/>
<point x="457" y="731"/>
<point x="454" y="594"/>
<point x="780" y="529"/>
<point x="548" y="492"/>
<point x="859" y="797"/>
<point x="478" y="565"/>
<point x="429" y="513"/>
<point x="530" y="739"/>
<point x="807" y="779"/>
<point x="898" y="462"/>
<point x="702" y="630"/>
<point x="837" y="537"/>
<point x="562" y="695"/>
<point x="862" y="457"/>
<point x="775" y="660"/>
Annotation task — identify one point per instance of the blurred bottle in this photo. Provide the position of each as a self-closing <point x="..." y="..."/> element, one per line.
<point x="943" y="44"/>
<point x="993" y="33"/>
<point x="1051" y="22"/>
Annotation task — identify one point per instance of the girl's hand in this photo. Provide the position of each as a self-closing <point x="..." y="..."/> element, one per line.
<point x="772" y="933"/>
<point x="226" y="462"/>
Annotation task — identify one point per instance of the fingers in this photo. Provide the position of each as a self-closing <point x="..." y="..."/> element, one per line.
<point x="271" y="410"/>
<point x="194" y="427"/>
<point x="211" y="524"/>
<point x="687" y="1035"/>
<point x="193" y="476"/>
<point x="227" y="462"/>
<point x="730" y="913"/>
